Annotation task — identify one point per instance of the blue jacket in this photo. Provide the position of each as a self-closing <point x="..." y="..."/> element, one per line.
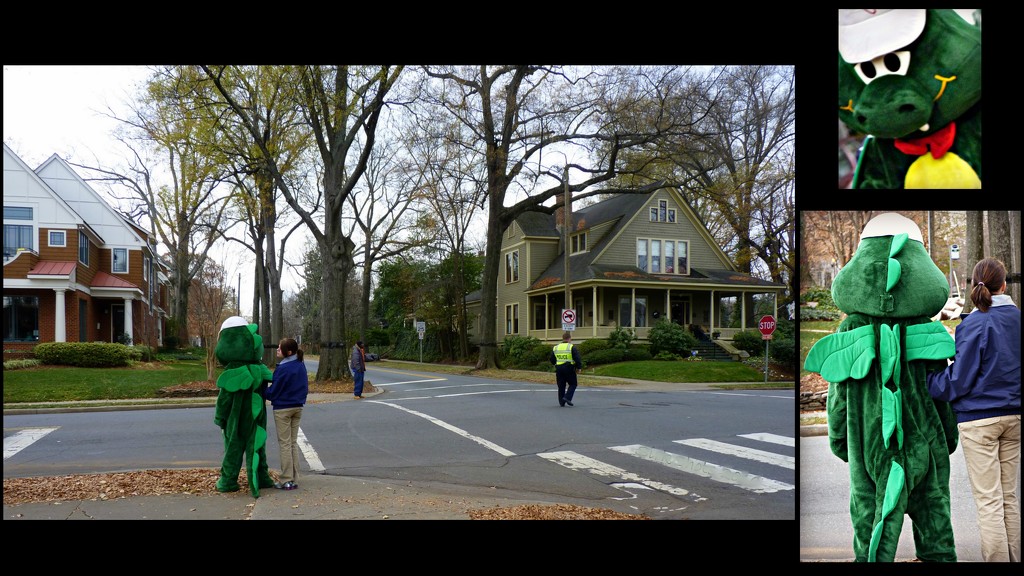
<point x="290" y="385"/>
<point x="984" y="379"/>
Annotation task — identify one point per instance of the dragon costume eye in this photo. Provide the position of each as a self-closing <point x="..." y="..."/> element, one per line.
<point x="884" y="65"/>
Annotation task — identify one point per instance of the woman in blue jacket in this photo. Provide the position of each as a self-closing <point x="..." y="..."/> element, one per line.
<point x="288" y="394"/>
<point x="983" y="386"/>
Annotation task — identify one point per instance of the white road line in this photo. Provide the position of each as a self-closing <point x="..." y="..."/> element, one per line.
<point x="412" y="382"/>
<point x="715" y="472"/>
<point x="447" y="426"/>
<point x="575" y="461"/>
<point x="23" y="439"/>
<point x="315" y="465"/>
<point x="773" y="438"/>
<point x="742" y="451"/>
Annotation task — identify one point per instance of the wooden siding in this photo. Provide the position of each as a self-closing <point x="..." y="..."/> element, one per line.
<point x="623" y="250"/>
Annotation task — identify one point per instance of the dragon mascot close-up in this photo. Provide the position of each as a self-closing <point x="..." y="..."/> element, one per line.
<point x="881" y="418"/>
<point x="241" y="411"/>
<point x="910" y="84"/>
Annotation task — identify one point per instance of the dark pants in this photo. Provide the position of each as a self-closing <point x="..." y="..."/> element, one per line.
<point x="357" y="384"/>
<point x="565" y="375"/>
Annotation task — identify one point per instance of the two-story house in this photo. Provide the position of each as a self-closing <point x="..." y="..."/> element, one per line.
<point x="74" y="269"/>
<point x="634" y="259"/>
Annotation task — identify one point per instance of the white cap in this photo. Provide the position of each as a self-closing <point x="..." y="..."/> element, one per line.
<point x="891" y="224"/>
<point x="868" y="33"/>
<point x="233" y="322"/>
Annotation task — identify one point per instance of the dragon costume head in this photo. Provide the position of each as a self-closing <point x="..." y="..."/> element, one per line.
<point x="891" y="274"/>
<point x="910" y="81"/>
<point x="238" y="343"/>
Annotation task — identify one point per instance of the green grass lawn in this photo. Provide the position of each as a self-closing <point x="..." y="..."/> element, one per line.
<point x="811" y="332"/>
<point x="64" y="383"/>
<point x="659" y="371"/>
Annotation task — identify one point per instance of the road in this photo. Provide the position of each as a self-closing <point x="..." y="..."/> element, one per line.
<point x="681" y="454"/>
<point x="826" y="533"/>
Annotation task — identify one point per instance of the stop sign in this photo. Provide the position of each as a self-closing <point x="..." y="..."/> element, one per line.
<point x="766" y="325"/>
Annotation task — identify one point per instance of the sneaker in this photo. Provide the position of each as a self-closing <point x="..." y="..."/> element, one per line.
<point x="289" y="486"/>
<point x="561" y="402"/>
<point x="568" y="402"/>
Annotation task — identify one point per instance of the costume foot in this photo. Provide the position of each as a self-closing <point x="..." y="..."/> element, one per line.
<point x="229" y="488"/>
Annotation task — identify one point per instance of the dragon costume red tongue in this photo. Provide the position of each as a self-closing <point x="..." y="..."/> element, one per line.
<point x="937" y="143"/>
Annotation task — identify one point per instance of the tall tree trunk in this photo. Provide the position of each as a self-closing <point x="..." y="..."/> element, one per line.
<point x="1014" y="265"/>
<point x="488" y="357"/>
<point x="974" y="250"/>
<point x="999" y="246"/>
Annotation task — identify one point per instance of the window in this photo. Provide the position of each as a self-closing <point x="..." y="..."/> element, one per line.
<point x="638" y="319"/>
<point x="512" y="267"/>
<point x="17" y="235"/>
<point x="512" y="319"/>
<point x="83" y="248"/>
<point x="21" y="318"/>
<point x="57" y="239"/>
<point x="662" y="213"/>
<point x="120" y="264"/>
<point x="578" y="242"/>
<point x="641" y="254"/>
<point x="671" y="260"/>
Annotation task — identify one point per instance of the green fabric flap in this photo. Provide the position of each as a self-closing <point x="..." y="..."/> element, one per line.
<point x="892" y="495"/>
<point x="843" y="355"/>
<point x="929" y="341"/>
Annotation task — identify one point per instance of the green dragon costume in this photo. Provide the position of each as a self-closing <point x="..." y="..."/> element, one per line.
<point x="881" y="419"/>
<point x="241" y="411"/>
<point x="910" y="81"/>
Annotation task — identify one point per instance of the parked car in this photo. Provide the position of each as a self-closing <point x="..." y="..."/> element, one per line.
<point x="372" y="356"/>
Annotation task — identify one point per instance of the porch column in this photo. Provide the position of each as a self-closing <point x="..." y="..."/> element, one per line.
<point x="711" y="329"/>
<point x="743" y="311"/>
<point x="547" y="316"/>
<point x="128" y="323"/>
<point x="668" y="304"/>
<point x="597" y="317"/>
<point x="632" y="308"/>
<point x="60" y="319"/>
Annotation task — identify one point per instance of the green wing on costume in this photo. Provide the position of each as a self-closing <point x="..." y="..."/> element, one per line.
<point x="929" y="341"/>
<point x="843" y="355"/>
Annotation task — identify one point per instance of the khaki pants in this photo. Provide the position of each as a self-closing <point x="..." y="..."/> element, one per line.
<point x="992" y="451"/>
<point x="287" y="422"/>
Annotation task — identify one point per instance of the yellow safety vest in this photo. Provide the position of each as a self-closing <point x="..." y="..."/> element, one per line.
<point x="563" y="353"/>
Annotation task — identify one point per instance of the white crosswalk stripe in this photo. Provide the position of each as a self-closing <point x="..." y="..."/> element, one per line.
<point x="689" y="465"/>
<point x="23" y="439"/>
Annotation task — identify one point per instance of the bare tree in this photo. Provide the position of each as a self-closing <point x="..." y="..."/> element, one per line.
<point x="342" y="106"/>
<point x="211" y="297"/>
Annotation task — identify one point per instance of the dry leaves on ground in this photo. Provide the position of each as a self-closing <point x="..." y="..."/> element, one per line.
<point x="202" y="482"/>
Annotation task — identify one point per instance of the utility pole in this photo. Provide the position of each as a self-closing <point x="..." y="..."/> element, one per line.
<point x="567" y="221"/>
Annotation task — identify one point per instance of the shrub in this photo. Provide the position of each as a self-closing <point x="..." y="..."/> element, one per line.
<point x="782" y="350"/>
<point x="84" y="354"/>
<point x="593" y="345"/>
<point x="19" y="364"/>
<point x="749" y="341"/>
<point x="666" y="355"/>
<point x="636" y="353"/>
<point x="609" y="356"/>
<point x="670" y="337"/>
<point x="810" y="314"/>
<point x="515" y="347"/>
<point x="621" y="337"/>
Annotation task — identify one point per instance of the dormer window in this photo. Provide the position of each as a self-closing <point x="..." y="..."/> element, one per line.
<point x="578" y="243"/>
<point x="58" y="239"/>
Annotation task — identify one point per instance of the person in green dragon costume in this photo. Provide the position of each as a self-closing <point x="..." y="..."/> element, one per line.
<point x="910" y="82"/>
<point x="881" y="418"/>
<point x="241" y="411"/>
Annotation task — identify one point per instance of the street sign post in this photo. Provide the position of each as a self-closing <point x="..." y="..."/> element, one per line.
<point x="421" y="327"/>
<point x="767" y="326"/>
<point x="568" y="319"/>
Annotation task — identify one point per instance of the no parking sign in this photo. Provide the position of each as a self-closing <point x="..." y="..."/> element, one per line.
<point x="568" y="319"/>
